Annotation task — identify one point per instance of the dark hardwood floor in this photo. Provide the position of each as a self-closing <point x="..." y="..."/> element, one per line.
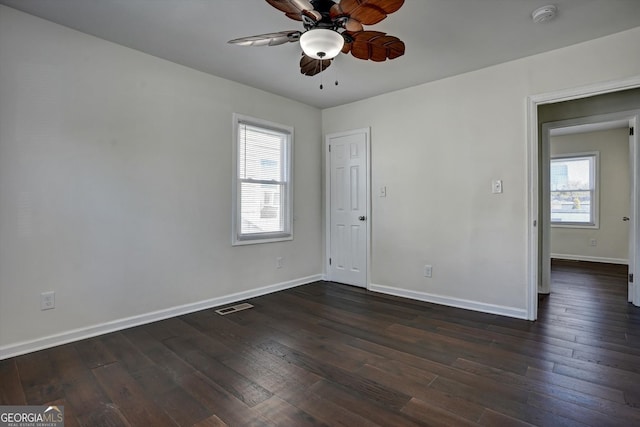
<point x="328" y="354"/>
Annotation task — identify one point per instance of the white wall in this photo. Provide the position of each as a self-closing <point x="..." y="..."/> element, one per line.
<point x="115" y="184"/>
<point x="612" y="236"/>
<point x="437" y="147"/>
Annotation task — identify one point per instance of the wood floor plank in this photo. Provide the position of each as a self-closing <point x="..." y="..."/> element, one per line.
<point x="108" y="416"/>
<point x="325" y="410"/>
<point x="282" y="413"/>
<point x="586" y="387"/>
<point x="489" y="354"/>
<point x="137" y="407"/>
<point x="11" y="392"/>
<point x="212" y="421"/>
<point x="576" y="412"/>
<point x="67" y="363"/>
<point x="95" y="353"/>
<point x="86" y="395"/>
<point x="418" y="388"/>
<point x="257" y="372"/>
<point x="237" y="385"/>
<point x="125" y="353"/>
<point x="156" y="351"/>
<point x="561" y="394"/>
<point x="219" y="402"/>
<point x="366" y="408"/>
<point x="362" y="386"/>
<point x="180" y="407"/>
<point x="422" y="410"/>
<point x="491" y="418"/>
<point x="38" y="378"/>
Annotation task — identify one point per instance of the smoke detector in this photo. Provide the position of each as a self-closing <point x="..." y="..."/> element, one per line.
<point x="544" y="14"/>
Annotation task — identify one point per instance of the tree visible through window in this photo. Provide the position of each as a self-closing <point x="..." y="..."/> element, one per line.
<point x="574" y="198"/>
<point x="262" y="181"/>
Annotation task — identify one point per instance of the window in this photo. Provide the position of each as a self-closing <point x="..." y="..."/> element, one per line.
<point x="574" y="195"/>
<point x="262" y="181"/>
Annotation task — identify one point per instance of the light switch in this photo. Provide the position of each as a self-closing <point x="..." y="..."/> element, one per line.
<point x="383" y="191"/>
<point x="496" y="186"/>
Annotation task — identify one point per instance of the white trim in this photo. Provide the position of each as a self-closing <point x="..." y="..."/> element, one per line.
<point x="327" y="199"/>
<point x="451" y="302"/>
<point x="533" y="151"/>
<point x="590" y="258"/>
<point x="129" y="322"/>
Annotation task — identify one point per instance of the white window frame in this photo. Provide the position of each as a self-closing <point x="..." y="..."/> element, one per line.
<point x="238" y="238"/>
<point x="595" y="201"/>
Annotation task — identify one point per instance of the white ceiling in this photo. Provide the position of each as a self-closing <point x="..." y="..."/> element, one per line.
<point x="442" y="37"/>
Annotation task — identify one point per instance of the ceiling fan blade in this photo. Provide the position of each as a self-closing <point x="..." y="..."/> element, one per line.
<point x="374" y="45"/>
<point x="369" y="12"/>
<point x="311" y="67"/>
<point x="292" y="8"/>
<point x="270" y="39"/>
<point x="353" y="25"/>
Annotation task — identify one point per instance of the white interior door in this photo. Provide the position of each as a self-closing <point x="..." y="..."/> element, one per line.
<point x="348" y="207"/>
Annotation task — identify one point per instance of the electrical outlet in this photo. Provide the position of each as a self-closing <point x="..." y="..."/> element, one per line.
<point x="279" y="262"/>
<point x="496" y="186"/>
<point x="47" y="300"/>
<point x="593" y="242"/>
<point x="428" y="270"/>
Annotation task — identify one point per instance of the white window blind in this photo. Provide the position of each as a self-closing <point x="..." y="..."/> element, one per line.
<point x="262" y="182"/>
<point x="574" y="197"/>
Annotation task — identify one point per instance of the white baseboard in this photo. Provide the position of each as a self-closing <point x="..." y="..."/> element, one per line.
<point x="117" y="325"/>
<point x="591" y="259"/>
<point x="452" y="302"/>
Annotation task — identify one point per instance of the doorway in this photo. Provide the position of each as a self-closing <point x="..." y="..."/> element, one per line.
<point x="586" y="189"/>
<point x="348" y="209"/>
<point x="539" y="211"/>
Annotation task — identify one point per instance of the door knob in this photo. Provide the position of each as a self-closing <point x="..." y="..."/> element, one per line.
<point x="362" y="218"/>
<point x="625" y="218"/>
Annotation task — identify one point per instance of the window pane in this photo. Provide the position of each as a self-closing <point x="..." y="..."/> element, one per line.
<point x="571" y="174"/>
<point x="260" y="153"/>
<point x="571" y="206"/>
<point x="261" y="208"/>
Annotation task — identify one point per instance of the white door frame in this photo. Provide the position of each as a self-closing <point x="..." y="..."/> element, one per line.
<point x="630" y="118"/>
<point x="533" y="176"/>
<point x="327" y="199"/>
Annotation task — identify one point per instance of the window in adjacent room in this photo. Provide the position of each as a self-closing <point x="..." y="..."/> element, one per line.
<point x="262" y="181"/>
<point x="574" y="190"/>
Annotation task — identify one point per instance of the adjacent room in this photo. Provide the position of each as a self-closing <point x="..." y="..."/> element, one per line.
<point x="320" y="212"/>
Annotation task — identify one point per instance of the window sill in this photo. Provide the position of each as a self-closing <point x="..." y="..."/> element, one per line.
<point x="579" y="226"/>
<point x="242" y="242"/>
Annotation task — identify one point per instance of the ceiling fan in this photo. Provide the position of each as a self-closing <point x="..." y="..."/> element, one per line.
<point x="331" y="27"/>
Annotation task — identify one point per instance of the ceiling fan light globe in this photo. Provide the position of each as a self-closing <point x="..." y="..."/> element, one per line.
<point x="321" y="43"/>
